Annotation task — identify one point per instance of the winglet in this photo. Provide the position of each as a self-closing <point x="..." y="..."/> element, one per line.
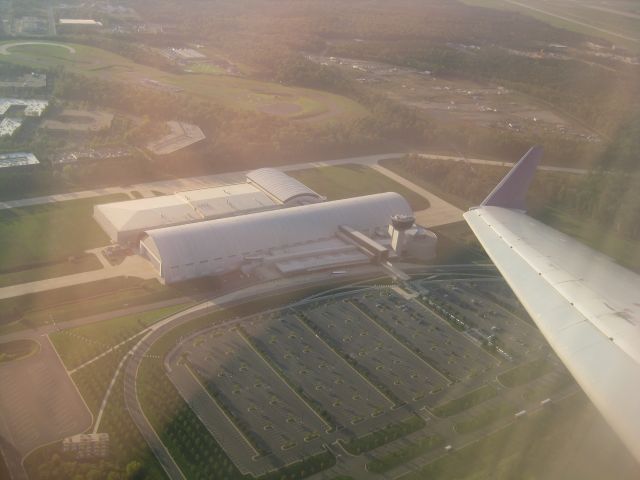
<point x="512" y="189"/>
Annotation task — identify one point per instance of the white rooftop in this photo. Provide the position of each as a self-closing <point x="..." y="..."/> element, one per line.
<point x="184" y="207"/>
<point x="33" y="108"/>
<point x="281" y="186"/>
<point x="17" y="159"/>
<point x="8" y="126"/>
<point x="79" y="21"/>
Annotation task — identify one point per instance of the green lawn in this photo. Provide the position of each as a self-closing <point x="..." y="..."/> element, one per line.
<point x="383" y="436"/>
<point x="485" y="418"/>
<point x="396" y="166"/>
<point x="526" y="372"/>
<point x="102" y="296"/>
<point x="36" y="235"/>
<point x="77" y="345"/>
<point x="347" y="181"/>
<point x="404" y="454"/>
<point x="84" y="263"/>
<point x="568" y="441"/>
<point x="465" y="402"/>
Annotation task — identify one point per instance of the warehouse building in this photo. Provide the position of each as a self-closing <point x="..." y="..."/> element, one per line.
<point x="125" y="222"/>
<point x="265" y="189"/>
<point x="289" y="241"/>
<point x="283" y="188"/>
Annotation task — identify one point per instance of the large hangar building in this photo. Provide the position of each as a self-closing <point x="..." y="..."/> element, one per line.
<point x="271" y="225"/>
<point x="292" y="240"/>
<point x="265" y="189"/>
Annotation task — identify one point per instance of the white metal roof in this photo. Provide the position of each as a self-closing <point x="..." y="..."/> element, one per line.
<point x="247" y="234"/>
<point x="587" y="307"/>
<point x="18" y="159"/>
<point x="79" y="21"/>
<point x="183" y="207"/>
<point x="280" y="185"/>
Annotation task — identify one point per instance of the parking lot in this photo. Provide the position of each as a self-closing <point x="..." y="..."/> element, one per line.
<point x="484" y="321"/>
<point x="354" y="404"/>
<point x="244" y="385"/>
<point x="449" y="352"/>
<point x="386" y="360"/>
<point x="280" y="386"/>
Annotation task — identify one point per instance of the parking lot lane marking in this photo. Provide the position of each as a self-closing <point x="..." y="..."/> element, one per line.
<point x="188" y="368"/>
<point x="368" y="317"/>
<point x="392" y="404"/>
<point x="327" y="425"/>
<point x="456" y="332"/>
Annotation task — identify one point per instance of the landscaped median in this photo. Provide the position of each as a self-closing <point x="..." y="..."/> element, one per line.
<point x="385" y="435"/>
<point x="526" y="372"/>
<point x="395" y="458"/>
<point x="80" y="344"/>
<point x="466" y="401"/>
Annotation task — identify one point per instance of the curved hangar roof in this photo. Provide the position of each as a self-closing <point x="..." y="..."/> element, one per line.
<point x="236" y="237"/>
<point x="283" y="187"/>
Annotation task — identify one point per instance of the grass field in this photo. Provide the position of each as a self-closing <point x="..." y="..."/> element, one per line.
<point x="577" y="17"/>
<point x="17" y="349"/>
<point x="347" y="181"/>
<point x="496" y="411"/>
<point x="68" y="303"/>
<point x="404" y="454"/>
<point x="385" y="435"/>
<point x="465" y="402"/>
<point x="526" y="372"/>
<point x="569" y="441"/>
<point x="84" y="263"/>
<point x="233" y="92"/>
<point x="36" y="235"/>
<point x="77" y="345"/>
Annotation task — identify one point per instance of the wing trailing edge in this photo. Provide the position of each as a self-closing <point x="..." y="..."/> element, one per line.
<point x="586" y="305"/>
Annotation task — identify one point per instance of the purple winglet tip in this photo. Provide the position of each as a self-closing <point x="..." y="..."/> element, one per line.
<point x="512" y="189"/>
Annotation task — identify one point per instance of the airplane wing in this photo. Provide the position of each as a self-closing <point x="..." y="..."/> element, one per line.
<point x="586" y="306"/>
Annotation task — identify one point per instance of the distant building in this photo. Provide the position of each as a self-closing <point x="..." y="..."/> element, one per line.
<point x="78" y="25"/>
<point x="265" y="189"/>
<point x="31" y="107"/>
<point x="85" y="22"/>
<point x="87" y="445"/>
<point x="18" y="159"/>
<point x="9" y="126"/>
<point x="287" y="241"/>
<point x="28" y="80"/>
<point x="181" y="136"/>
